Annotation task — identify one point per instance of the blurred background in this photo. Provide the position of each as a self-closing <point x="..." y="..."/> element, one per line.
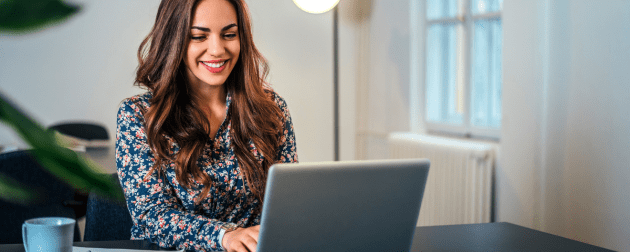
<point x="558" y="115"/>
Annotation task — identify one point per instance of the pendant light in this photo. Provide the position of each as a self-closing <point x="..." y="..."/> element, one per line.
<point x="316" y="6"/>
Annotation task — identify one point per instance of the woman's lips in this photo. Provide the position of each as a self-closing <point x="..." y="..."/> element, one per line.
<point x="215" y="66"/>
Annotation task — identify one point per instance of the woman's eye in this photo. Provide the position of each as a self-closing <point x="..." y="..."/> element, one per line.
<point x="230" y="35"/>
<point x="197" y="37"/>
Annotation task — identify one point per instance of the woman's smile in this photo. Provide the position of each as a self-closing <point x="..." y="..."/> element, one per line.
<point x="215" y="66"/>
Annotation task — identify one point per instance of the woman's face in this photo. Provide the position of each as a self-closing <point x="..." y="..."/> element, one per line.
<point x="214" y="44"/>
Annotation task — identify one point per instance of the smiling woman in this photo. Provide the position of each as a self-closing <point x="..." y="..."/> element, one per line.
<point x="193" y="152"/>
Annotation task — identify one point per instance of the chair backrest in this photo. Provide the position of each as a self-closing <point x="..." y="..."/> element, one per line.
<point x="53" y="196"/>
<point x="82" y="130"/>
<point x="106" y="219"/>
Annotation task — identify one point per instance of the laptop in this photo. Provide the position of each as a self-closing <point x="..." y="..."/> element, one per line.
<point x="342" y="206"/>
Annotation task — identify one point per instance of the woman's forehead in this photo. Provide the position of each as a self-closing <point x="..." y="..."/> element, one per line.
<point x="218" y="13"/>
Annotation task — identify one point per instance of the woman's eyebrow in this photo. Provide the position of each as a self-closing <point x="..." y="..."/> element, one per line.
<point x="205" y="29"/>
<point x="227" y="27"/>
<point x="201" y="28"/>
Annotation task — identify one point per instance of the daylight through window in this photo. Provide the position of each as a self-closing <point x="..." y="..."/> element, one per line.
<point x="463" y="66"/>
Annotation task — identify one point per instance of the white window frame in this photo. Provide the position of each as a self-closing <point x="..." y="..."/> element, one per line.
<point x="420" y="25"/>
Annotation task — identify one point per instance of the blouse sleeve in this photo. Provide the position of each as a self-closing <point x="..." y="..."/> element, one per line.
<point x="287" y="152"/>
<point x="156" y="211"/>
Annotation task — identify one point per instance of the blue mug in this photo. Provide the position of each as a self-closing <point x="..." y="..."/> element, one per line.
<point x="48" y="234"/>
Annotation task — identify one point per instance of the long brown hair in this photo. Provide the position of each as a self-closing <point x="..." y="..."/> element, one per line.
<point x="253" y="113"/>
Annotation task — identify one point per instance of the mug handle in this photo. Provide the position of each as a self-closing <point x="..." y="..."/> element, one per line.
<point x="24" y="236"/>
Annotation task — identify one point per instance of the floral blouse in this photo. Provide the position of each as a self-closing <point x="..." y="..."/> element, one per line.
<point x="162" y="210"/>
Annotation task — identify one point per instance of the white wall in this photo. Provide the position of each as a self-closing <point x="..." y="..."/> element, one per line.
<point x="82" y="69"/>
<point x="564" y="164"/>
<point x="597" y="160"/>
<point x="383" y="87"/>
<point x="518" y="173"/>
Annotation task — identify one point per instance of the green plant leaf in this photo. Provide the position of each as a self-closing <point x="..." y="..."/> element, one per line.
<point x="79" y="172"/>
<point x="21" y="16"/>
<point x="14" y="192"/>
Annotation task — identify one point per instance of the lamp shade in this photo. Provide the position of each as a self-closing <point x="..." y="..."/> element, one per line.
<point x="316" y="6"/>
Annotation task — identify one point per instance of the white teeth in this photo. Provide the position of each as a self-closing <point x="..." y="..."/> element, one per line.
<point x="214" y="65"/>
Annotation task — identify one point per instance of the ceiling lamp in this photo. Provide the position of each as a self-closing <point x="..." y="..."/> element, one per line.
<point x="316" y="6"/>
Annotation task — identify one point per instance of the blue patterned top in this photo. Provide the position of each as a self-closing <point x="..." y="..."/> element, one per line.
<point x="162" y="210"/>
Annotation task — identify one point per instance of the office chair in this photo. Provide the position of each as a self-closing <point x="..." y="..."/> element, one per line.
<point x="53" y="196"/>
<point x="86" y="131"/>
<point x="107" y="219"/>
<point x="82" y="130"/>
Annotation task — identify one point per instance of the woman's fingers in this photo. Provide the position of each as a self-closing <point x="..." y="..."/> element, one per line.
<point x="251" y="240"/>
<point x="246" y="245"/>
<point x="243" y="239"/>
<point x="249" y="243"/>
<point x="239" y="247"/>
<point x="255" y="231"/>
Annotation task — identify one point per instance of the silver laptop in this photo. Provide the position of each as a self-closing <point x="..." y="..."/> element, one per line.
<point x="342" y="206"/>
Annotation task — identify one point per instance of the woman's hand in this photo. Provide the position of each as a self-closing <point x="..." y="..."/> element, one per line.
<point x="241" y="239"/>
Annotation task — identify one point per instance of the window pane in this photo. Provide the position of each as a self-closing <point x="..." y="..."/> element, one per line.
<point x="486" y="76"/>
<point x="441" y="9"/>
<point x="443" y="94"/>
<point x="486" y="6"/>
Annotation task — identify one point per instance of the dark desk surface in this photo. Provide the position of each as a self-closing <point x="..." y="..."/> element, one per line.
<point x="499" y="236"/>
<point x="470" y="237"/>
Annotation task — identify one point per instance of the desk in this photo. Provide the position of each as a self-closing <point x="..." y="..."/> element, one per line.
<point x="470" y="237"/>
<point x="499" y="236"/>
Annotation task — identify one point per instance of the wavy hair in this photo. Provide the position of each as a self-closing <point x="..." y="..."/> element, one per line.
<point x="254" y="115"/>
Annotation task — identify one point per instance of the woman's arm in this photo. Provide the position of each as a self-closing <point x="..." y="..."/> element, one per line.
<point x="156" y="211"/>
<point x="287" y="152"/>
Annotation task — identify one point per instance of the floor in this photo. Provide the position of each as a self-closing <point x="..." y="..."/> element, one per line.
<point x="81" y="223"/>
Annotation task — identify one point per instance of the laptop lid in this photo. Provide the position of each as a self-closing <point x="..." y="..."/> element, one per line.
<point x="342" y="206"/>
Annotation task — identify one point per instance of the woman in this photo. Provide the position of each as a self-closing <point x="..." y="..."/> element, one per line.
<point x="193" y="152"/>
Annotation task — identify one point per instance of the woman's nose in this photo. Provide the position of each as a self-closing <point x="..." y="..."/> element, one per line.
<point x="216" y="46"/>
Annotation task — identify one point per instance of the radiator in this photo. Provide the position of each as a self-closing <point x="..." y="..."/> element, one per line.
<point x="459" y="186"/>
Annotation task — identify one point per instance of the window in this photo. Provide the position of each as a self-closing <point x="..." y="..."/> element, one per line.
<point x="463" y="40"/>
